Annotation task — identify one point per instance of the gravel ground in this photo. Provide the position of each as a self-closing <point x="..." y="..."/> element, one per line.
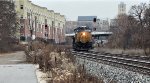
<point x="130" y="68"/>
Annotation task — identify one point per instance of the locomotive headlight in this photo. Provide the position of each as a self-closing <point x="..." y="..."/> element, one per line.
<point x="83" y="33"/>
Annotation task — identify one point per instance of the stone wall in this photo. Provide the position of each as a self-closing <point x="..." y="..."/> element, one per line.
<point x="109" y="73"/>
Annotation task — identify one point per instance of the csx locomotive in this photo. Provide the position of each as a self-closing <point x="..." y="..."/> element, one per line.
<point x="82" y="39"/>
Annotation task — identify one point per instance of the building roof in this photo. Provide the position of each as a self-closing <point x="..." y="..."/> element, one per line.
<point x="86" y="18"/>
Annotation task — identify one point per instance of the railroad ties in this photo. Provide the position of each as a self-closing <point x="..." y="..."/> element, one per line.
<point x="135" y="63"/>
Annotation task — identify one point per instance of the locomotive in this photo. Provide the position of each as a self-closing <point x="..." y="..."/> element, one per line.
<point x="82" y="41"/>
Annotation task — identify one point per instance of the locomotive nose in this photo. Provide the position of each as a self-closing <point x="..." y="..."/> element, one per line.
<point x="85" y="37"/>
<point x="83" y="34"/>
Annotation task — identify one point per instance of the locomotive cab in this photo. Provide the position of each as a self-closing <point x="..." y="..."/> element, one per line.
<point x="82" y="39"/>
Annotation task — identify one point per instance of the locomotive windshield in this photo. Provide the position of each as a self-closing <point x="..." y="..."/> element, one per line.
<point x="81" y="29"/>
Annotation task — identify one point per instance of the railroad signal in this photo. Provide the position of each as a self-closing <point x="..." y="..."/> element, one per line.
<point x="94" y="24"/>
<point x="45" y="26"/>
<point x="94" y="19"/>
<point x="94" y="29"/>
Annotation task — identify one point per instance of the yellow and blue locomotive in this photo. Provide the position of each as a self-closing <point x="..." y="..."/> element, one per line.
<point x="82" y="39"/>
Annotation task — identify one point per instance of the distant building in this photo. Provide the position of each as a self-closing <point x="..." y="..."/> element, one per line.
<point x="113" y="24"/>
<point x="70" y="26"/>
<point x="121" y="8"/>
<point x="86" y="18"/>
<point x="100" y="25"/>
<point x="87" y="21"/>
<point x="103" y="25"/>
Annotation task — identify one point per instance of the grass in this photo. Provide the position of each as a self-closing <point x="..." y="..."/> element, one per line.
<point x="120" y="51"/>
<point x="58" y="63"/>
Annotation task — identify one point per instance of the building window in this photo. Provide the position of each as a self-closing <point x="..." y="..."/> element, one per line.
<point x="39" y="28"/>
<point x="58" y="25"/>
<point x="21" y="27"/>
<point x="21" y="17"/>
<point x="53" y="24"/>
<point x="21" y="7"/>
<point x="46" y="35"/>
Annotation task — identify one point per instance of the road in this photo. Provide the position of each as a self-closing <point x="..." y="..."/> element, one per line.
<point x="13" y="69"/>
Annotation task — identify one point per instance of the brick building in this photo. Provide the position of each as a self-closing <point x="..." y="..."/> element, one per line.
<point x="39" y="22"/>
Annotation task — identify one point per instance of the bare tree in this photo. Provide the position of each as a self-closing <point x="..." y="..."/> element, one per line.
<point x="134" y="29"/>
<point x="142" y="14"/>
<point x="7" y="23"/>
<point x="122" y="36"/>
<point x="146" y="42"/>
<point x="137" y="11"/>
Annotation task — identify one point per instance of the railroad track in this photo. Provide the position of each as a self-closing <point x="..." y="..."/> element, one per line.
<point x="141" y="63"/>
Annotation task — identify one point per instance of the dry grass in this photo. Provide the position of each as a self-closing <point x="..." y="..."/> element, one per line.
<point x="120" y="51"/>
<point x="58" y="63"/>
<point x="11" y="48"/>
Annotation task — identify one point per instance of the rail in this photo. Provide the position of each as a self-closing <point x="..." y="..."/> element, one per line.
<point x="141" y="63"/>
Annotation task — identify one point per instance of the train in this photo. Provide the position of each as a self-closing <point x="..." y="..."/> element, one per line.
<point x="82" y="41"/>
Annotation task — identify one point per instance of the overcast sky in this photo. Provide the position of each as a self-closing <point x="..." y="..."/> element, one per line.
<point x="74" y="8"/>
